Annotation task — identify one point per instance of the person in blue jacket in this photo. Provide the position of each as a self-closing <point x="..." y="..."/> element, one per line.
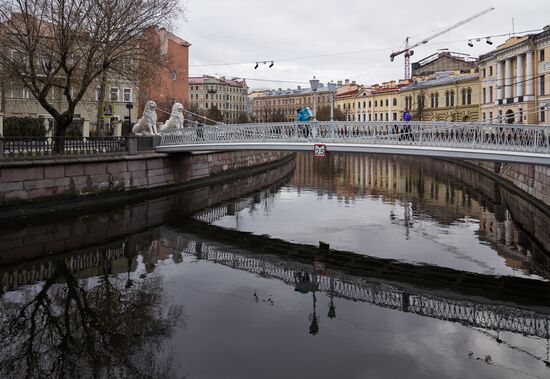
<point x="304" y="115"/>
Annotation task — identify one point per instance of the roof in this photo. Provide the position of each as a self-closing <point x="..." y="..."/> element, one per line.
<point x="350" y="93"/>
<point x="173" y="37"/>
<point x="230" y="82"/>
<point x="441" y="81"/>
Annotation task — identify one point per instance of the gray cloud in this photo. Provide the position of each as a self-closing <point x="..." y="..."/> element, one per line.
<point x="234" y="31"/>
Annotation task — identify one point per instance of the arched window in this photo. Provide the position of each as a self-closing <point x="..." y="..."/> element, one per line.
<point x="463" y="96"/>
<point x="436" y="100"/>
<point x="447" y="99"/>
<point x="395" y="102"/>
<point x="469" y="96"/>
<point x="452" y="97"/>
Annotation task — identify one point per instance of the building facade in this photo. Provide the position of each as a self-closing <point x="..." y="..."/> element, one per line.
<point x="168" y="83"/>
<point x="228" y="95"/>
<point x="282" y="105"/>
<point x="17" y="101"/>
<point x="515" y="80"/>
<point x="445" y="96"/>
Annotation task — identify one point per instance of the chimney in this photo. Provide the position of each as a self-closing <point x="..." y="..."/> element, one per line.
<point x="353" y="82"/>
<point x="299" y="87"/>
<point x="347" y="81"/>
<point x="339" y="83"/>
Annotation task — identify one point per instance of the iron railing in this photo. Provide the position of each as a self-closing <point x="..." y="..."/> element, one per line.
<point x="28" y="147"/>
<point x="479" y="136"/>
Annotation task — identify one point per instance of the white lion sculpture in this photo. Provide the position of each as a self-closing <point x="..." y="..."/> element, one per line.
<point x="147" y="124"/>
<point x="176" y="118"/>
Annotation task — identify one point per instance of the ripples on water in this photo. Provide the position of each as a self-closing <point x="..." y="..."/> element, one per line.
<point x="354" y="266"/>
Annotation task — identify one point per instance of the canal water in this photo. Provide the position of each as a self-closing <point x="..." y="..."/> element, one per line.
<point x="354" y="266"/>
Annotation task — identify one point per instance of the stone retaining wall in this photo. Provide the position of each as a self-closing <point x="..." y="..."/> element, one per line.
<point x="27" y="181"/>
<point x="534" y="180"/>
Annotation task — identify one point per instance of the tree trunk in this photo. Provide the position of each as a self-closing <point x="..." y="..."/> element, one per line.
<point x="62" y="123"/>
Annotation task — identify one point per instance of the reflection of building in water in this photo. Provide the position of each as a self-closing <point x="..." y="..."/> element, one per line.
<point x="442" y="190"/>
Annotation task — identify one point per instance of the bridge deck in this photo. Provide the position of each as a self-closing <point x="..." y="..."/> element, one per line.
<point x="499" y="142"/>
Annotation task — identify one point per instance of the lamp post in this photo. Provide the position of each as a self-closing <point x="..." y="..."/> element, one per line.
<point x="129" y="106"/>
<point x="331" y="91"/>
<point x="314" y="83"/>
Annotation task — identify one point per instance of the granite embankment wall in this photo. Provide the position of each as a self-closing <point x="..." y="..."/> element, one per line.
<point x="23" y="242"/>
<point x="79" y="178"/>
<point x="534" y="180"/>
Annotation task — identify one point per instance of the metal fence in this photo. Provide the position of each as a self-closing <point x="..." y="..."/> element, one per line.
<point x="29" y="147"/>
<point x="479" y="136"/>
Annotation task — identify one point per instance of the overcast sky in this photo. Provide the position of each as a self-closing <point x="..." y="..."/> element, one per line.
<point x="238" y="31"/>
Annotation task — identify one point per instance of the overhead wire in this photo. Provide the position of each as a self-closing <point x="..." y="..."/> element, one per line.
<point x="351" y="52"/>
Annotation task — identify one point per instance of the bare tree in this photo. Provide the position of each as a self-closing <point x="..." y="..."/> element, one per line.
<point x="68" y="45"/>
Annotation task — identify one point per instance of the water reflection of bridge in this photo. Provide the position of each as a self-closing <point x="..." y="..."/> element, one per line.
<point x="471" y="313"/>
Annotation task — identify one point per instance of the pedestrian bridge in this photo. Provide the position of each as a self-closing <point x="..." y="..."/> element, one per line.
<point x="478" y="141"/>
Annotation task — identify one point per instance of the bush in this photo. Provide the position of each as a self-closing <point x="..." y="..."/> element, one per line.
<point x="24" y="127"/>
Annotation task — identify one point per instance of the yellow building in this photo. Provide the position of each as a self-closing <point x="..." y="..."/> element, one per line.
<point x="384" y="102"/>
<point x="445" y="96"/>
<point x="515" y="85"/>
<point x="346" y="101"/>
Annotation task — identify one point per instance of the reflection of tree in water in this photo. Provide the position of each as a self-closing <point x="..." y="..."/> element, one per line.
<point x="91" y="328"/>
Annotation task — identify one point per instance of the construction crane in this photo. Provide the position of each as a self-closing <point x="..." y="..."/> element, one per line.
<point x="408" y="49"/>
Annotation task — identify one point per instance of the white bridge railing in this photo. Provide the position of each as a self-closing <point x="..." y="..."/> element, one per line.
<point x="474" y="136"/>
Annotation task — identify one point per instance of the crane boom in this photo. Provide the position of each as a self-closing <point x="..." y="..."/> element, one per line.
<point x="408" y="49"/>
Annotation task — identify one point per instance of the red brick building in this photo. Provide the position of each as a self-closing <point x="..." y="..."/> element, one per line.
<point x="170" y="83"/>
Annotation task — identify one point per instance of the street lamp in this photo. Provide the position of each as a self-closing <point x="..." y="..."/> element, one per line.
<point x="314" y="83"/>
<point x="331" y="91"/>
<point x="129" y="106"/>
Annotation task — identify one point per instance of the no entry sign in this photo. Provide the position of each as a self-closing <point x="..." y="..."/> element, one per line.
<point x="319" y="150"/>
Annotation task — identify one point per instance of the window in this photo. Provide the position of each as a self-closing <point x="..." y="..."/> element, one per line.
<point x="375" y="117"/>
<point x="437" y="100"/>
<point x="394" y="116"/>
<point x="127" y="95"/>
<point x="520" y="115"/>
<point x="447" y="99"/>
<point x="375" y="103"/>
<point x="484" y="117"/>
<point x="174" y="75"/>
<point x="370" y="104"/>
<point x="114" y="94"/>
<point x="97" y="93"/>
<point x="395" y="102"/>
<point x="541" y="55"/>
<point x="358" y="105"/>
<point x="490" y="70"/>
<point x="490" y="116"/>
<point x="469" y="96"/>
<point x="484" y="95"/>
<point x="25" y="93"/>
<point x="387" y="115"/>
<point x="490" y="94"/>
<point x="452" y="95"/>
<point x="541" y="86"/>
<point x="387" y="103"/>
<point x="483" y="73"/>
<point x="370" y="117"/>
<point x="463" y="92"/>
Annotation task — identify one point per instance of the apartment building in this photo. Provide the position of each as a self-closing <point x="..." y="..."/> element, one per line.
<point x="228" y="95"/>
